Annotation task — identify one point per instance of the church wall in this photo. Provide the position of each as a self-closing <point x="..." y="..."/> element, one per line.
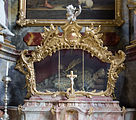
<point x="129" y="87"/>
<point x="128" y="95"/>
<point x="16" y="91"/>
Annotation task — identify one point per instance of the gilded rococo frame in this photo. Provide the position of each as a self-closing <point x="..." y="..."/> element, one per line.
<point x="71" y="39"/>
<point x="23" y="21"/>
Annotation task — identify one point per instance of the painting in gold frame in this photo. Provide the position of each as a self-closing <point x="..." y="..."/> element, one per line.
<point x="103" y="12"/>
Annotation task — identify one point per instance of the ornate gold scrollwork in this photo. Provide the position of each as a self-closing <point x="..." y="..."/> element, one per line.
<point x="22" y="21"/>
<point x="53" y="110"/>
<point x="123" y="111"/>
<point x="1" y="32"/>
<point x="19" y="109"/>
<point x="91" y="110"/>
<point x="118" y="17"/>
<point x="1" y="28"/>
<point x="118" y="21"/>
<point x="71" y="39"/>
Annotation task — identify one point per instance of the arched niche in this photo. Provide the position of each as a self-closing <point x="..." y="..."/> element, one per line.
<point x="71" y="39"/>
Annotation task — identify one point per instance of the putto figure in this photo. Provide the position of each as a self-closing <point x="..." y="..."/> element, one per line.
<point x="72" y="13"/>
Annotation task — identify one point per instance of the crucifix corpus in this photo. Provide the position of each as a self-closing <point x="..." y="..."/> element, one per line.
<point x="72" y="77"/>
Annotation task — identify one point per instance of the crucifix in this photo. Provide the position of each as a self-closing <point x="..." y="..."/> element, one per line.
<point x="72" y="77"/>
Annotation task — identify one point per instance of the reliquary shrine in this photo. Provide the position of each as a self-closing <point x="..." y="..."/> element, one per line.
<point x="71" y="76"/>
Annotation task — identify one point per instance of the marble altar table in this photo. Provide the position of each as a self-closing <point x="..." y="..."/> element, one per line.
<point x="81" y="108"/>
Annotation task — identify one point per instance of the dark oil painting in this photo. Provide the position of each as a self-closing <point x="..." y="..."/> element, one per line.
<point x="51" y="72"/>
<point x="56" y="9"/>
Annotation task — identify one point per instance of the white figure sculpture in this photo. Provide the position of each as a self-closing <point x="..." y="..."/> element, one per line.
<point x="72" y="13"/>
<point x="3" y="28"/>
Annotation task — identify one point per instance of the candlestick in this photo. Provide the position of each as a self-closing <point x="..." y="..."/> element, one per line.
<point x="6" y="80"/>
<point x="7" y="68"/>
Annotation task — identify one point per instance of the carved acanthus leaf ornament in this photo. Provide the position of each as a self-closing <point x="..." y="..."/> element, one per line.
<point x="22" y="21"/>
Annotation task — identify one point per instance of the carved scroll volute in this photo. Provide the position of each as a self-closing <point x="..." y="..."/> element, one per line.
<point x="116" y="67"/>
<point x="22" y="19"/>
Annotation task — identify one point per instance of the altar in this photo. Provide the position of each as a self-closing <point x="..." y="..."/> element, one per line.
<point x="71" y="75"/>
<point x="59" y="108"/>
<point x="58" y="64"/>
